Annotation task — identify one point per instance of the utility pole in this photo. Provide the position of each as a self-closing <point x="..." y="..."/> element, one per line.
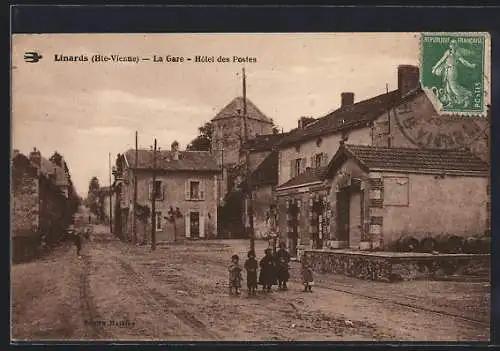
<point x="110" y="197"/>
<point x="389" y="137"/>
<point x="249" y="196"/>
<point x="134" y="220"/>
<point x="153" y="202"/>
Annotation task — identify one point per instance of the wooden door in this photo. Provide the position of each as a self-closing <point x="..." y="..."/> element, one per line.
<point x="343" y="215"/>
<point x="354" y="219"/>
<point x="194" y="219"/>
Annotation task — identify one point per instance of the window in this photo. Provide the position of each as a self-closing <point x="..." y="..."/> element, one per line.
<point x="157" y="190"/>
<point x="396" y="191"/>
<point x="298" y="162"/>
<point x="318" y="159"/>
<point x="195" y="190"/>
<point x="158" y="220"/>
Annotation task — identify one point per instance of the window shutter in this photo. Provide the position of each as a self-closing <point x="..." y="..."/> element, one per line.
<point x="292" y="172"/>
<point x="324" y="159"/>
<point x="162" y="191"/>
<point x="150" y="189"/>
<point x="202" y="225"/>
<point x="187" y="224"/>
<point x="202" y="189"/>
<point x="312" y="162"/>
<point x="303" y="165"/>
<point x="186" y="186"/>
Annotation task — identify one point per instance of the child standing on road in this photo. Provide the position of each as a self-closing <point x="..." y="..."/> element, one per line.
<point x="267" y="277"/>
<point x="235" y="275"/>
<point x="251" y="266"/>
<point x="307" y="277"/>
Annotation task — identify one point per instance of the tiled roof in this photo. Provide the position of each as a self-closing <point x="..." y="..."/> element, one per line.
<point x="188" y="160"/>
<point x="267" y="172"/>
<point x="410" y="159"/>
<point x="264" y="142"/>
<point x="346" y="117"/>
<point x="309" y="176"/>
<point x="235" y="108"/>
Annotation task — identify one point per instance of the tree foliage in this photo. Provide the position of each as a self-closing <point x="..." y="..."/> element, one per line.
<point x="204" y="140"/>
<point x="93" y="196"/>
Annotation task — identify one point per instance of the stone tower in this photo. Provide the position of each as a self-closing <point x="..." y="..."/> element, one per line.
<point x="228" y="133"/>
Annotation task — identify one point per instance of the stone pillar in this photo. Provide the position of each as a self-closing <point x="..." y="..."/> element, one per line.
<point x="376" y="203"/>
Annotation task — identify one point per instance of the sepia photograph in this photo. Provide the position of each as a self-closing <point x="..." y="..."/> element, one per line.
<point x="262" y="187"/>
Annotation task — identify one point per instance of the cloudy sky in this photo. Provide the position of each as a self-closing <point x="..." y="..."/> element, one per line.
<point x="86" y="110"/>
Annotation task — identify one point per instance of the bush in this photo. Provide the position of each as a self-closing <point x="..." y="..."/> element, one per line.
<point x="477" y="245"/>
<point x="407" y="243"/>
<point x="427" y="244"/>
<point x="449" y="244"/>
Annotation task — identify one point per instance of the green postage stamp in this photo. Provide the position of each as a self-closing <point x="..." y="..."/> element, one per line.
<point x="453" y="71"/>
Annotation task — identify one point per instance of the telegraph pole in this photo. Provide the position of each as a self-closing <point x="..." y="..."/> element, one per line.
<point x="110" y="197"/>
<point x="249" y="196"/>
<point x="153" y="202"/>
<point x="134" y="220"/>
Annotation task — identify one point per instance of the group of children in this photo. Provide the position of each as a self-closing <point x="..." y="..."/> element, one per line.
<point x="274" y="269"/>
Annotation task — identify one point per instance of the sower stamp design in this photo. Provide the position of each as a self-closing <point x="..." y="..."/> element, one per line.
<point x="453" y="72"/>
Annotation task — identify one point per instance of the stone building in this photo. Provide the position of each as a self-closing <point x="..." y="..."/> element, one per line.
<point x="380" y="194"/>
<point x="402" y="118"/>
<point x="39" y="208"/>
<point x="186" y="180"/>
<point x="228" y="137"/>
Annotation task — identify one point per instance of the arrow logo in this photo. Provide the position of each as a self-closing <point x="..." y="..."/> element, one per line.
<point x="32" y="57"/>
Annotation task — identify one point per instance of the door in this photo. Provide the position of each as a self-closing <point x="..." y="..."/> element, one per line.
<point x="194" y="220"/>
<point x="343" y="215"/>
<point x="295" y="229"/>
<point x="354" y="219"/>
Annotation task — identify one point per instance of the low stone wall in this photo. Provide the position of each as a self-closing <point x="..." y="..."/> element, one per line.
<point x="390" y="267"/>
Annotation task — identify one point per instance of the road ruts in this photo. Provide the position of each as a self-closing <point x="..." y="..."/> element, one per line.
<point x="163" y="302"/>
<point x="93" y="329"/>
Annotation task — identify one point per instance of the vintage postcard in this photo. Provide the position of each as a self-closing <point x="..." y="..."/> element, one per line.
<point x="251" y="187"/>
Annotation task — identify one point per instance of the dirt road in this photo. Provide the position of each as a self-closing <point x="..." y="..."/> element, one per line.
<point x="179" y="292"/>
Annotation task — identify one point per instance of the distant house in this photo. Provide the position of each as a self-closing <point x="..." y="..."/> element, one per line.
<point x="186" y="180"/>
<point x="39" y="203"/>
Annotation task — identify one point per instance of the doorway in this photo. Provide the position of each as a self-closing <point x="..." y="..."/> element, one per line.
<point x="194" y="224"/>
<point x="294" y="227"/>
<point x="355" y="219"/>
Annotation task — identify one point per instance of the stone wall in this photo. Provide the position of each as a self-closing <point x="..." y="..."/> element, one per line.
<point x="387" y="268"/>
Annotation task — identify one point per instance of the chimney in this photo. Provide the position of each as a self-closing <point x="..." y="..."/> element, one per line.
<point x="408" y="79"/>
<point x="36" y="157"/>
<point x="347" y="99"/>
<point x="175" y="150"/>
<point x="304" y="121"/>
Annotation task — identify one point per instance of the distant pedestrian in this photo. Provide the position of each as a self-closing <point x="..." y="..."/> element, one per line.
<point x="267" y="277"/>
<point x="251" y="266"/>
<point x="235" y="277"/>
<point x="283" y="266"/>
<point x="78" y="243"/>
<point x="307" y="277"/>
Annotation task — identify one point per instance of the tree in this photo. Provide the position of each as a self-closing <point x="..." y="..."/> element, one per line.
<point x="204" y="140"/>
<point x="93" y="196"/>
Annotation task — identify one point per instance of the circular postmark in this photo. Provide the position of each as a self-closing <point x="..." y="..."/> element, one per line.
<point x="422" y="126"/>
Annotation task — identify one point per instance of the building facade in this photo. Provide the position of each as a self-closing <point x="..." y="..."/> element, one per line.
<point x="185" y="182"/>
<point x="403" y="118"/>
<point x="39" y="203"/>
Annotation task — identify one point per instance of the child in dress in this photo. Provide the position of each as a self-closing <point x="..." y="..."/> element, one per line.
<point x="235" y="275"/>
<point x="307" y="277"/>
<point x="267" y="277"/>
<point x="251" y="266"/>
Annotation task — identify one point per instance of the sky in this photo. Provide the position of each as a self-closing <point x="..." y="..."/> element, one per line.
<point x="88" y="110"/>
